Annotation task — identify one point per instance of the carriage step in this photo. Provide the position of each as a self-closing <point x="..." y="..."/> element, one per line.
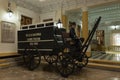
<point x="9" y="62"/>
<point x="4" y="65"/>
<point x="4" y="56"/>
<point x="3" y="61"/>
<point x="104" y="66"/>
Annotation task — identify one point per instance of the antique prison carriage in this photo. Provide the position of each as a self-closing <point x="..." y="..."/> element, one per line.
<point x="50" y="42"/>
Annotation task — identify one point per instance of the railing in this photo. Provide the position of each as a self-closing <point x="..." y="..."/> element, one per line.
<point x="38" y="25"/>
<point x="114" y="48"/>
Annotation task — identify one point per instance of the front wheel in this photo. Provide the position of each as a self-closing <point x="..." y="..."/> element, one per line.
<point x="83" y="61"/>
<point x="65" y="65"/>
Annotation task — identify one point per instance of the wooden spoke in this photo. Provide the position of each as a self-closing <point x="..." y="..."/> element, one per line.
<point x="50" y="58"/>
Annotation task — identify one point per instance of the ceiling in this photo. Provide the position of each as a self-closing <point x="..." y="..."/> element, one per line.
<point x="108" y="12"/>
<point x="29" y="4"/>
<point x="38" y="5"/>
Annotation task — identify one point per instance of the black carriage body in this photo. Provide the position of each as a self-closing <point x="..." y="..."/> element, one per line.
<point x="42" y="39"/>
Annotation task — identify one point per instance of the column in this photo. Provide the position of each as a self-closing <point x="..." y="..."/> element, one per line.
<point x="85" y="27"/>
<point x="78" y="31"/>
<point x="64" y="21"/>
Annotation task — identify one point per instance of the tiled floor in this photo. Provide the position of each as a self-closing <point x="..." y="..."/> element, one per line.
<point x="47" y="72"/>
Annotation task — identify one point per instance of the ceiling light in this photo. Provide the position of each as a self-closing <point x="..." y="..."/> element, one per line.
<point x="10" y="12"/>
<point x="41" y="0"/>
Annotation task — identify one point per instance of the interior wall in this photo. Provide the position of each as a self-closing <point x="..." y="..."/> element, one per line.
<point x="107" y="33"/>
<point x="28" y="13"/>
<point x="55" y="15"/>
<point x="56" y="9"/>
<point x="7" y="47"/>
<point x="15" y="18"/>
<point x="110" y="19"/>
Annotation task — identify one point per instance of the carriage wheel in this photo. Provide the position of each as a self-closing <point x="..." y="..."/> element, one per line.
<point x="65" y="65"/>
<point x="32" y="59"/>
<point x="50" y="58"/>
<point x="84" y="60"/>
<point x="34" y="62"/>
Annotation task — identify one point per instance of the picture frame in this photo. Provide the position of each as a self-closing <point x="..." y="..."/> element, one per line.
<point x="25" y="20"/>
<point x="7" y="32"/>
<point x="100" y="37"/>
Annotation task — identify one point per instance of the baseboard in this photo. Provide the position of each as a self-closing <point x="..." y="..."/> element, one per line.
<point x="104" y="61"/>
<point x="8" y="55"/>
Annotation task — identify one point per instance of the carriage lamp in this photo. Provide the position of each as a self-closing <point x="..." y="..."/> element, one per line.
<point x="59" y="24"/>
<point x="10" y="12"/>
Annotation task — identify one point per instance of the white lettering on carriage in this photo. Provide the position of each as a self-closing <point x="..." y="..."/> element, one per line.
<point x="33" y="43"/>
<point x="33" y="37"/>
